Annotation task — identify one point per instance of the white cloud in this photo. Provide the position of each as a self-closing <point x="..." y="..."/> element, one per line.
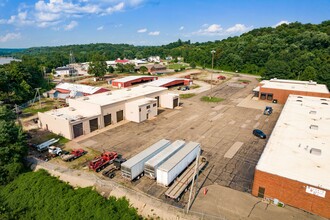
<point x="280" y="23"/>
<point x="143" y="30"/>
<point x="100" y="28"/>
<point x="213" y="29"/>
<point x="154" y="33"/>
<point x="238" y="28"/>
<point x="181" y="28"/>
<point x="70" y="26"/>
<point x="46" y="13"/>
<point x="10" y="36"/>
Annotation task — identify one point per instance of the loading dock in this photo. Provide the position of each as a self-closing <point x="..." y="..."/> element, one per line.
<point x="77" y="130"/>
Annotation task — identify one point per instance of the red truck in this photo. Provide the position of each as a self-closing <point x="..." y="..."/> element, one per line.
<point x="221" y="77"/>
<point x="102" y="161"/>
<point x="74" y="154"/>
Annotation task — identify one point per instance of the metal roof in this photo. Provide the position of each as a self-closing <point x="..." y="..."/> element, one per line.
<point x="298" y="147"/>
<point x="164" y="154"/>
<point x="131" y="78"/>
<point x="295" y="85"/>
<point x="178" y="156"/>
<point x="147" y="152"/>
<point x="78" y="87"/>
<point x="163" y="81"/>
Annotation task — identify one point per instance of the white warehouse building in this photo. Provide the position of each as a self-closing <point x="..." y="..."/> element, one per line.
<point x="90" y="113"/>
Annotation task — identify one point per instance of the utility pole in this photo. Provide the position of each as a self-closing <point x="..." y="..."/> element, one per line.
<point x="193" y="181"/>
<point x="35" y="96"/>
<point x="213" y="52"/>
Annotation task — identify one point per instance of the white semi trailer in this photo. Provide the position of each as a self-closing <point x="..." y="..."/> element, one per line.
<point x="169" y="170"/>
<point x="133" y="168"/>
<point x="150" y="167"/>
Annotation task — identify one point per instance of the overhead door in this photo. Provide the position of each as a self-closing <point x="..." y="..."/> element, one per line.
<point x="175" y="102"/>
<point x="120" y="115"/>
<point x="93" y="124"/>
<point x="107" y="120"/>
<point x="77" y="130"/>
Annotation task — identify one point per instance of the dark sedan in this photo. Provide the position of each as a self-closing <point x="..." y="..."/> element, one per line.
<point x="259" y="133"/>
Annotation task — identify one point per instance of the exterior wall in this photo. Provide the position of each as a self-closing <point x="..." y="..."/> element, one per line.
<point x="56" y="125"/>
<point x="133" y="112"/>
<point x="282" y="95"/>
<point x="166" y="100"/>
<point x="291" y="192"/>
<point x="130" y="83"/>
<point x="112" y="109"/>
<point x="100" y="91"/>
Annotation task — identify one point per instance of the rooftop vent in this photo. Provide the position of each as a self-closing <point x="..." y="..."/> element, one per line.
<point x="85" y="98"/>
<point x="314" y="127"/>
<point x="324" y="103"/>
<point x="109" y="93"/>
<point x="315" y="151"/>
<point x="128" y="90"/>
<point x="298" y="100"/>
<point x="72" y="109"/>
<point x="299" y="97"/>
<point x="312" y="112"/>
<point x="323" y="100"/>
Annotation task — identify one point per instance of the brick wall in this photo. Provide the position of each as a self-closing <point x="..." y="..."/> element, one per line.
<point x="292" y="193"/>
<point x="282" y="95"/>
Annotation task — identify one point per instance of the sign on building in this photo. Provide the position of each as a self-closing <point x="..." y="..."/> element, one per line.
<point x="315" y="191"/>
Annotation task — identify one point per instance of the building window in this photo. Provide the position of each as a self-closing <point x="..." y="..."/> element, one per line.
<point x="312" y="112"/>
<point x="154" y="105"/>
<point x="139" y="109"/>
<point x="263" y="96"/>
<point x="314" y="127"/>
<point x="148" y="106"/>
<point x="270" y="97"/>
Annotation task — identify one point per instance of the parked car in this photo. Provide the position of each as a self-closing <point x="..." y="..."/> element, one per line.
<point x="268" y="110"/>
<point x="259" y="133"/>
<point x="221" y="77"/>
<point x="185" y="88"/>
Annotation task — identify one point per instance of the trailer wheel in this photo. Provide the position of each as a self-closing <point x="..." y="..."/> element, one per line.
<point x="98" y="170"/>
<point x="138" y="177"/>
<point x="60" y="153"/>
<point x="142" y="174"/>
<point x="178" y="199"/>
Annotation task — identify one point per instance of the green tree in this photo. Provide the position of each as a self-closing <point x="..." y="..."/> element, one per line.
<point x="308" y="74"/>
<point x="143" y="69"/>
<point x="120" y="67"/>
<point x="193" y="65"/>
<point x="12" y="146"/>
<point x="111" y="69"/>
<point x="276" y="69"/>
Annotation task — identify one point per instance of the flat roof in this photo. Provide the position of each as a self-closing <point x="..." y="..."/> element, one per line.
<point x="131" y="78"/>
<point x="69" y="113"/>
<point x="163" y="81"/>
<point x="107" y="98"/>
<point x="78" y="87"/>
<point x="298" y="147"/>
<point x="144" y="101"/>
<point x="295" y="85"/>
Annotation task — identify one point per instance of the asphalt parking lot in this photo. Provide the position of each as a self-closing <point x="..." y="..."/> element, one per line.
<point x="224" y="130"/>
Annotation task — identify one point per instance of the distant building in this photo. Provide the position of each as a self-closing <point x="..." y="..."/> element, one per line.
<point x="65" y="71"/>
<point x="90" y="113"/>
<point x="169" y="82"/>
<point x="294" y="167"/>
<point x="131" y="80"/>
<point x="156" y="68"/>
<point x="66" y="90"/>
<point x="154" y="59"/>
<point x="278" y="90"/>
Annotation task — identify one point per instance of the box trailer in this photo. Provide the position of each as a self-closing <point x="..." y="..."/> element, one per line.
<point x="133" y="168"/>
<point x="169" y="170"/>
<point x="150" y="167"/>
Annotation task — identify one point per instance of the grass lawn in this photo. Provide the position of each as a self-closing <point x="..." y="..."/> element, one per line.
<point x="194" y="86"/>
<point x="187" y="96"/>
<point x="175" y="66"/>
<point x="46" y="105"/>
<point x="211" y="99"/>
<point x="244" y="80"/>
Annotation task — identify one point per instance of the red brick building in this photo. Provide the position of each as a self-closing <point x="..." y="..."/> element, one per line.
<point x="294" y="167"/>
<point x="279" y="90"/>
<point x="170" y="82"/>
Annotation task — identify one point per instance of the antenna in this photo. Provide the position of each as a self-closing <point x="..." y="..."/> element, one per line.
<point x="35" y="96"/>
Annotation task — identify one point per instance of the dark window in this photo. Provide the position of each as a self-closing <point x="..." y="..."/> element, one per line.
<point x="148" y="106"/>
<point x="270" y="97"/>
<point x="139" y="109"/>
<point x="77" y="130"/>
<point x="261" y="192"/>
<point x="263" y="96"/>
<point x="93" y="124"/>
<point x="154" y="105"/>
<point x="120" y="115"/>
<point x="107" y="120"/>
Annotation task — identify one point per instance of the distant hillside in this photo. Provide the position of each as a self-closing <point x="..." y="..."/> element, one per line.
<point x="293" y="51"/>
<point x="9" y="52"/>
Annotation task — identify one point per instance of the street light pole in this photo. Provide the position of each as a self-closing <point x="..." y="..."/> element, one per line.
<point x="213" y="52"/>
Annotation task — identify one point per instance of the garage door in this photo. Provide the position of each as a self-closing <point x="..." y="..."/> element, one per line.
<point x="107" y="120"/>
<point x="120" y="116"/>
<point x="78" y="130"/>
<point x="175" y="102"/>
<point x="93" y="124"/>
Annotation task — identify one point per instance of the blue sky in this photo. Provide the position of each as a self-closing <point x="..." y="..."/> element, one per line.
<point x="145" y="22"/>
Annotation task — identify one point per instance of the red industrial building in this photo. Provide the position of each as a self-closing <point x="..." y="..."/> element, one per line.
<point x="64" y="90"/>
<point x="131" y="80"/>
<point x="278" y="90"/>
<point x="294" y="166"/>
<point x="170" y="82"/>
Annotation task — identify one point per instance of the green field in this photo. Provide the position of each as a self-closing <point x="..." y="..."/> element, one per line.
<point x="176" y="66"/>
<point x="211" y="99"/>
<point x="187" y="96"/>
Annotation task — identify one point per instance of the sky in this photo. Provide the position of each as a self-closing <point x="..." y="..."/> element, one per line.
<point x="33" y="23"/>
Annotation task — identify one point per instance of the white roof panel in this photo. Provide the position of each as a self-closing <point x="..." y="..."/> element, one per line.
<point x="78" y="87"/>
<point x="302" y="129"/>
<point x="295" y="85"/>
<point x="130" y="78"/>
